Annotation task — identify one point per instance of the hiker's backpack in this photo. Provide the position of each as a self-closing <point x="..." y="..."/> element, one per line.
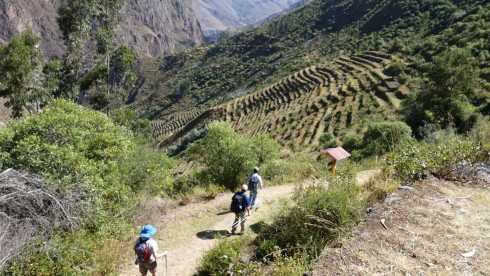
<point x="142" y="250"/>
<point x="236" y="203"/>
<point x="253" y="182"/>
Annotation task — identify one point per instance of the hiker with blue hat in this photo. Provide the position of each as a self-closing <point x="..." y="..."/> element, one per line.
<point x="254" y="182"/>
<point x="146" y="250"/>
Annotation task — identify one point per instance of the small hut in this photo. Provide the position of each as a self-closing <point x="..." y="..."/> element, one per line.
<point x="335" y="154"/>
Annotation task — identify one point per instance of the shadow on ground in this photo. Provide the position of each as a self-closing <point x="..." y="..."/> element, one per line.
<point x="213" y="234"/>
<point x="259" y="227"/>
<point x="223" y="213"/>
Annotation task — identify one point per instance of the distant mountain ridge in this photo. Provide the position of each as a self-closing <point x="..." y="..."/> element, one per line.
<point x="220" y="15"/>
<point x="152" y="27"/>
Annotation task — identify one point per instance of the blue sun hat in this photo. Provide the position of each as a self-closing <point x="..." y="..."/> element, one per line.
<point x="148" y="231"/>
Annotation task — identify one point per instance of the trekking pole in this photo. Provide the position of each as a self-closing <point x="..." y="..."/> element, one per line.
<point x="166" y="266"/>
<point x="235" y="224"/>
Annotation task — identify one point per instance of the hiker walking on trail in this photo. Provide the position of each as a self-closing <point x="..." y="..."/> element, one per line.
<point x="254" y="182"/>
<point x="146" y="250"/>
<point x="240" y="203"/>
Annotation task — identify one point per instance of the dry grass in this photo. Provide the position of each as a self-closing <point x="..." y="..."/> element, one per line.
<point x="428" y="229"/>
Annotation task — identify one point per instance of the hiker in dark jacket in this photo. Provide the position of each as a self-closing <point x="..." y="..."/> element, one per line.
<point x="240" y="203"/>
<point x="254" y="182"/>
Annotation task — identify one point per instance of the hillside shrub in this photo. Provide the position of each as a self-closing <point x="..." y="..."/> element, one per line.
<point x="228" y="157"/>
<point x="296" y="168"/>
<point x="352" y="142"/>
<point x="147" y="170"/>
<point x="327" y="140"/>
<point x="443" y="159"/>
<point x="396" y="69"/>
<point x="226" y="258"/>
<point x="72" y="146"/>
<point x="321" y="214"/>
<point x="68" y="144"/>
<point x="384" y="137"/>
<point x="445" y="96"/>
<point x="128" y="118"/>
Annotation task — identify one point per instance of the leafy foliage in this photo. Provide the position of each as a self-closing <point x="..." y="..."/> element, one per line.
<point x="82" y="151"/>
<point x="385" y="137"/>
<point x="321" y="214"/>
<point x="225" y="258"/>
<point x="70" y="144"/>
<point x="327" y="140"/>
<point x="88" y="30"/>
<point x="229" y="156"/>
<point x="444" y="157"/>
<point x="21" y="75"/>
<point x="445" y="96"/>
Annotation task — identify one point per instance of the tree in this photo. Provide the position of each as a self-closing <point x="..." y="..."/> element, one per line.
<point x="229" y="156"/>
<point x="94" y="67"/>
<point x="451" y="82"/>
<point x="21" y="76"/>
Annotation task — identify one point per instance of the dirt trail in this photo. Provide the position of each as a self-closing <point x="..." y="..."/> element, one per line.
<point x="188" y="232"/>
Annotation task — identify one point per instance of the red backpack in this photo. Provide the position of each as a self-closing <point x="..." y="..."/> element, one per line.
<point x="142" y="250"/>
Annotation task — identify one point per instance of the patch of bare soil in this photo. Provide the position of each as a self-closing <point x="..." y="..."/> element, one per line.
<point x="188" y="232"/>
<point x="365" y="176"/>
<point x="438" y="228"/>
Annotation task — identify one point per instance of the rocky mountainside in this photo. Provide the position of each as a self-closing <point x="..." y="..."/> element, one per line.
<point x="152" y="27"/>
<point x="220" y="15"/>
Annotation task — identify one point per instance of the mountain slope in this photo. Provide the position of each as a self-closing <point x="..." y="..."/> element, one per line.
<point x="296" y="110"/>
<point x="315" y="35"/>
<point x="152" y="27"/>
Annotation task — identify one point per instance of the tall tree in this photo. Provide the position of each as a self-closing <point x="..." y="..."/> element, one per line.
<point x="21" y="75"/>
<point x="445" y="96"/>
<point x="88" y="29"/>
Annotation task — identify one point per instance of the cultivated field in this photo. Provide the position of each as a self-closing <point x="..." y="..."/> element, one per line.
<point x="330" y="97"/>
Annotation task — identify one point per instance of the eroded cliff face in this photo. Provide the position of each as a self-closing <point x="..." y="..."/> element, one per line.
<point x="17" y="16"/>
<point x="152" y="27"/>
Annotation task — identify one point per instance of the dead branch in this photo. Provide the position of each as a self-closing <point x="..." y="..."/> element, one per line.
<point x="29" y="207"/>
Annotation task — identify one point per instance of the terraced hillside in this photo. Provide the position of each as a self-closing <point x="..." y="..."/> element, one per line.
<point x="296" y="110"/>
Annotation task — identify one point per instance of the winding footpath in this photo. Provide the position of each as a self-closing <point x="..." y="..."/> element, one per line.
<point x="188" y="231"/>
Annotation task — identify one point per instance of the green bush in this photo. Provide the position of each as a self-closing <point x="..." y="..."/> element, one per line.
<point x="147" y="170"/>
<point x="415" y="160"/>
<point x="72" y="146"/>
<point x="321" y="214"/>
<point x="384" y="137"/>
<point x="68" y="144"/>
<point x="295" y="168"/>
<point x="327" y="140"/>
<point x="395" y="69"/>
<point x="226" y="258"/>
<point x="352" y="142"/>
<point x="228" y="156"/>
